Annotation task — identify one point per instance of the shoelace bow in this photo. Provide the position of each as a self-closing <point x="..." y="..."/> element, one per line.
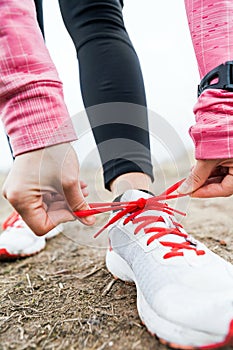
<point x="133" y="208"/>
<point x="11" y="220"/>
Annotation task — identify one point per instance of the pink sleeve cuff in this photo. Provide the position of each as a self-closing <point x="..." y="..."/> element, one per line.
<point x="36" y="117"/>
<point x="31" y="96"/>
<point x="213" y="132"/>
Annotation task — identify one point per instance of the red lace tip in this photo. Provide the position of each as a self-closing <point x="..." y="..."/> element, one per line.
<point x="99" y="232"/>
<point x="172" y="188"/>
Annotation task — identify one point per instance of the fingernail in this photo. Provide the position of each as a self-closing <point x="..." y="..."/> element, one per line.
<point x="90" y="220"/>
<point x="184" y="188"/>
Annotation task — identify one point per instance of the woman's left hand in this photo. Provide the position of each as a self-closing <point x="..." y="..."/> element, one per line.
<point x="209" y="178"/>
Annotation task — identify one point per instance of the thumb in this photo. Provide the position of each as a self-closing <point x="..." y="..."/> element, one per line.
<point x="87" y="220"/>
<point x="76" y="201"/>
<point x="197" y="177"/>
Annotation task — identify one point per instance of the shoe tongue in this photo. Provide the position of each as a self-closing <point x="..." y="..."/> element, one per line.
<point x="133" y="195"/>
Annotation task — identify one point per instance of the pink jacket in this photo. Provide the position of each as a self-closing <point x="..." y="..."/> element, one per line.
<point x="213" y="132"/>
<point x="211" y="28"/>
<point x="31" y="95"/>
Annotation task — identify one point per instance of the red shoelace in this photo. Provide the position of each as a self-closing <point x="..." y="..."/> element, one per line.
<point x="133" y="208"/>
<point x="11" y="220"/>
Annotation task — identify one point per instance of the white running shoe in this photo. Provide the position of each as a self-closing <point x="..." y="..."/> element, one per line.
<point x="18" y="241"/>
<point x="184" y="291"/>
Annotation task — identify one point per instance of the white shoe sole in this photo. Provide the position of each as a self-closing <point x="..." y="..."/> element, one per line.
<point x="174" y="335"/>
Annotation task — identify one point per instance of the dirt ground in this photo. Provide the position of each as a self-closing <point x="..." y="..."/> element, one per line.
<point x="64" y="297"/>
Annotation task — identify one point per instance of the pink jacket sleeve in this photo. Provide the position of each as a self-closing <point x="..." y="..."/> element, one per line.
<point x="31" y="95"/>
<point x="211" y="27"/>
<point x="213" y="132"/>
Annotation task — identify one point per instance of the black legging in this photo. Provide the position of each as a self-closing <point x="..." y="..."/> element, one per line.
<point x="111" y="84"/>
<point x="39" y="14"/>
<point x="110" y="72"/>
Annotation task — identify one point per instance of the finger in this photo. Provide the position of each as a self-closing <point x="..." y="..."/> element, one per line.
<point x="34" y="213"/>
<point x="223" y="189"/>
<point x="85" y="192"/>
<point x="76" y="201"/>
<point x="197" y="177"/>
<point x="83" y="184"/>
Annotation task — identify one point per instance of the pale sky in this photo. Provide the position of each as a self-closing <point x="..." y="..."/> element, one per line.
<point x="161" y="38"/>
